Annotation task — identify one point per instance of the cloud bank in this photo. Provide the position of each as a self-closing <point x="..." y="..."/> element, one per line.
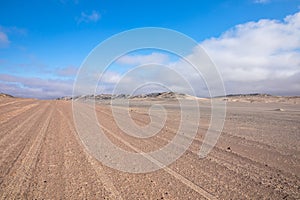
<point x="35" y="87"/>
<point x="261" y="56"/>
<point x="255" y="57"/>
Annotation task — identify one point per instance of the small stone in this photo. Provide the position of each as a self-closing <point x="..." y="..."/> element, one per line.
<point x="279" y="109"/>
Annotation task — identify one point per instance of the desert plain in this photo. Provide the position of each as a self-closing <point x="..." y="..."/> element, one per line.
<point x="256" y="157"/>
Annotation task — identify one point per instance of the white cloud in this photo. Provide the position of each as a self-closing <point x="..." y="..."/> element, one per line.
<point x="110" y="77"/>
<point x="261" y="1"/>
<point x="4" y="41"/>
<point x="35" y="87"/>
<point x="4" y="31"/>
<point x="143" y="59"/>
<point x="94" y="16"/>
<point x="262" y="56"/>
<point x="259" y="52"/>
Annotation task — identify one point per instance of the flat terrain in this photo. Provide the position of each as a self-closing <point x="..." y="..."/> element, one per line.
<point x="256" y="157"/>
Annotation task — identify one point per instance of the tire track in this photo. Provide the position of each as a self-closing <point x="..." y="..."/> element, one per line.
<point x="47" y="181"/>
<point x="141" y="186"/>
<point x="101" y="178"/>
<point x="184" y="164"/>
<point x="12" y="138"/>
<point x="33" y="152"/>
<point x="18" y="121"/>
<point x="13" y="147"/>
<point x="15" y="111"/>
<point x="173" y="173"/>
<point x="104" y="179"/>
<point x="256" y="166"/>
<point x="14" y="101"/>
<point x="20" y="179"/>
<point x="227" y="139"/>
<point x="7" y="108"/>
<point x="235" y="171"/>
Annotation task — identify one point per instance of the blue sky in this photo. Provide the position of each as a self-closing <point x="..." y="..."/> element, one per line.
<point x="43" y="43"/>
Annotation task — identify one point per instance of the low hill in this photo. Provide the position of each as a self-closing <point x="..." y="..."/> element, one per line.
<point x="247" y="98"/>
<point x="3" y="95"/>
<point x="263" y="98"/>
<point x="152" y="96"/>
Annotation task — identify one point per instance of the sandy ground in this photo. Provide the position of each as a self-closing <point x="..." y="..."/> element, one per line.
<point x="256" y="157"/>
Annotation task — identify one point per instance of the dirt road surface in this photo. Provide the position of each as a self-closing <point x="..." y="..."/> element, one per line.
<point x="256" y="157"/>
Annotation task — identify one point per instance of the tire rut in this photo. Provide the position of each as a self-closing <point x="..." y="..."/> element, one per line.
<point x="18" y="142"/>
<point x="19" y="180"/>
<point x="185" y="181"/>
<point x="238" y="172"/>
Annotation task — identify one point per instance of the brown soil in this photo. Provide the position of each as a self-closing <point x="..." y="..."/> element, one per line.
<point x="256" y="157"/>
